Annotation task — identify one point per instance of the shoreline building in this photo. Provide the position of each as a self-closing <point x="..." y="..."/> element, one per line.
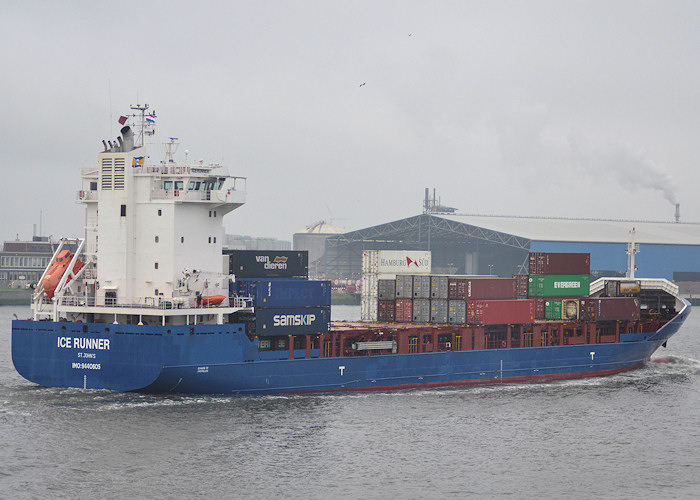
<point x="23" y="262"/>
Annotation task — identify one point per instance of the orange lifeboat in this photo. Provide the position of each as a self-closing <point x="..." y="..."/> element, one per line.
<point x="56" y="271"/>
<point x="212" y="300"/>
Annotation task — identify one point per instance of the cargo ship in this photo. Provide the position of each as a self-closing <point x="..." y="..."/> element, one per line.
<point x="148" y="300"/>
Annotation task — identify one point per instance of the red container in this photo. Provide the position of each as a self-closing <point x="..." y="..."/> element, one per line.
<point x="501" y="312"/>
<point x="482" y="288"/>
<point x="385" y="311"/>
<point x="618" y="308"/>
<point x="539" y="307"/>
<point x="475" y="312"/>
<point x="588" y="309"/>
<point x="521" y="285"/>
<point x="403" y="310"/>
<point x="559" y="263"/>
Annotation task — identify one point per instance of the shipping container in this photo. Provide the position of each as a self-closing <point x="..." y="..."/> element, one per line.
<point x="475" y="310"/>
<point x="552" y="308"/>
<point x="404" y="286"/>
<point x="386" y="289"/>
<point x="370" y="283"/>
<point x="559" y="263"/>
<point x="457" y="312"/>
<point x="385" y="311"/>
<point x="609" y="309"/>
<point x="368" y="308"/>
<point x="285" y="292"/>
<point x="438" y="310"/>
<point x="268" y="264"/>
<point x="521" y="285"/>
<point x="569" y="309"/>
<point x="612" y="288"/>
<point x="619" y="308"/>
<point x="421" y="310"/>
<point x="292" y="320"/>
<point x="500" y="312"/>
<point x="559" y="285"/>
<point x="439" y="287"/>
<point x="481" y="288"/>
<point x="403" y="310"/>
<point x="539" y="307"/>
<point x="629" y="287"/>
<point x="396" y="261"/>
<point x="421" y="286"/>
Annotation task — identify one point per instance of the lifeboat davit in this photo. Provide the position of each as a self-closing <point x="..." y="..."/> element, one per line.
<point x="212" y="300"/>
<point x="56" y="271"/>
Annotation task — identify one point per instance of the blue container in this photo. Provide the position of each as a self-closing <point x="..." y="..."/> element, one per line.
<point x="292" y="320"/>
<point x="285" y="292"/>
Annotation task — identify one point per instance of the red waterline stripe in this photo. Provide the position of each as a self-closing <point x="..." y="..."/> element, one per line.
<point x="489" y="381"/>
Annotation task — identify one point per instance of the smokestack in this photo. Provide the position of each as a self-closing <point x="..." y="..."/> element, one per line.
<point x="678" y="212"/>
<point x="128" y="138"/>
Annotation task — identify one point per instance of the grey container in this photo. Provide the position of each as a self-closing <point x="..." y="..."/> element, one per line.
<point x="421" y="286"/>
<point x="439" y="287"/>
<point x="421" y="310"/>
<point x="404" y="286"/>
<point x="386" y="289"/>
<point x="457" y="312"/>
<point x="438" y="311"/>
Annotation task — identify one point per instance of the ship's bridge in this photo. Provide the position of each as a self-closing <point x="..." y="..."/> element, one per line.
<point x="182" y="184"/>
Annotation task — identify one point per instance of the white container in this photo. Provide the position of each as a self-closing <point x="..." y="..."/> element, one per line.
<point x="368" y="308"/>
<point x="396" y="262"/>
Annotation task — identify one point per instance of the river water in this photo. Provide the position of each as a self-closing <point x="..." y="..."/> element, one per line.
<point x="633" y="435"/>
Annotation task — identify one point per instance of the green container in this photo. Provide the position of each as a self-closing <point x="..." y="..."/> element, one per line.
<point x="552" y="309"/>
<point x="559" y="285"/>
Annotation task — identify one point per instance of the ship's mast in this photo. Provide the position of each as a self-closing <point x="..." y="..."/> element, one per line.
<point x="145" y="123"/>
<point x="170" y="149"/>
<point x="632" y="250"/>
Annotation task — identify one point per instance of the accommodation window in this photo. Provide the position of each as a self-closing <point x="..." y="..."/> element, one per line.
<point x="209" y="239"/>
<point x="160" y="212"/>
<point x="156" y="239"/>
<point x="214" y="239"/>
<point x="214" y="213"/>
<point x="156" y="265"/>
<point x="123" y="211"/>
<point x="182" y="239"/>
<point x="209" y="213"/>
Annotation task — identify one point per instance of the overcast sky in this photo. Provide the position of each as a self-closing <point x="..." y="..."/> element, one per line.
<point x="348" y="110"/>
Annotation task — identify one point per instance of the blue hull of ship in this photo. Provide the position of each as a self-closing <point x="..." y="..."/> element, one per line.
<point x="220" y="359"/>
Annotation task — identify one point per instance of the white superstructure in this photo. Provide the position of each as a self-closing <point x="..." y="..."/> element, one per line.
<point x="153" y="235"/>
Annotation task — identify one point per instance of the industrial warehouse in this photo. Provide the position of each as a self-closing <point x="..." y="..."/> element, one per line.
<point x="500" y="245"/>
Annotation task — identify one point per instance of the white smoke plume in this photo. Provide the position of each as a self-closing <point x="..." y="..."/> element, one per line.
<point x="633" y="169"/>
